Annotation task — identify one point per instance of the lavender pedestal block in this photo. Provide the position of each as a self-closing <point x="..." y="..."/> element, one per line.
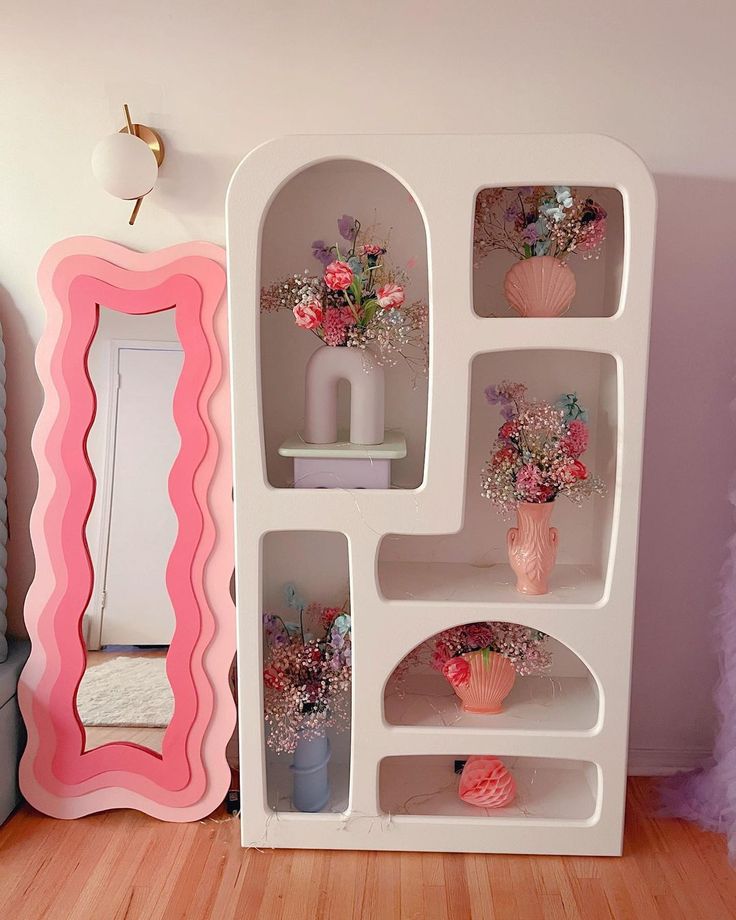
<point x="311" y="790"/>
<point x="344" y="465"/>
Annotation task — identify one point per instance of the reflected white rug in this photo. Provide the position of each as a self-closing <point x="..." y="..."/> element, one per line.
<point x="126" y="691"/>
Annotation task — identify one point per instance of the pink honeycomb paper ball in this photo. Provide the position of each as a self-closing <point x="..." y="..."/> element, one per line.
<point x="486" y="782"/>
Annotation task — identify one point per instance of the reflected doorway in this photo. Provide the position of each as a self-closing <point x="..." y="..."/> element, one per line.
<point x="125" y="693"/>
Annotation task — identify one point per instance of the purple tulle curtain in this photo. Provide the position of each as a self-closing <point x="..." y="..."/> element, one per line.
<point x="708" y="796"/>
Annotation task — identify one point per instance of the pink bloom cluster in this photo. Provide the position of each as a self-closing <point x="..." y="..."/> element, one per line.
<point x="524" y="648"/>
<point x="358" y="301"/>
<point x="336" y="324"/>
<point x="536" y="455"/>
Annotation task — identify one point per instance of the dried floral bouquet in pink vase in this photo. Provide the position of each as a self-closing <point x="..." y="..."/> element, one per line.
<point x="542" y="227"/>
<point x="481" y="660"/>
<point x="536" y="458"/>
<point x="358" y="299"/>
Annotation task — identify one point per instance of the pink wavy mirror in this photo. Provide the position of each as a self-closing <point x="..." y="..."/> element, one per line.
<point x="188" y="777"/>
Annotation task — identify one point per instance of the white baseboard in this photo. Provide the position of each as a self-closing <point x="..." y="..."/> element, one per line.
<point x="664" y="761"/>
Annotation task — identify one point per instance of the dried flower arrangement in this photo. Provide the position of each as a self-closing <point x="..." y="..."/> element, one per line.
<point x="536" y="456"/>
<point x="537" y="221"/>
<point x="358" y="300"/>
<point x="307" y="677"/>
<point x="522" y="646"/>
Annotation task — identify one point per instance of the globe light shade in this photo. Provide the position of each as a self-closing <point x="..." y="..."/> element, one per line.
<point x="125" y="166"/>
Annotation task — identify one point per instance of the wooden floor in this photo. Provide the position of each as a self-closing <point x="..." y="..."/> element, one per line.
<point x="126" y="866"/>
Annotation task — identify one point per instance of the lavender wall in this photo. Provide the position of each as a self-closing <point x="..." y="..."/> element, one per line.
<point x="220" y="78"/>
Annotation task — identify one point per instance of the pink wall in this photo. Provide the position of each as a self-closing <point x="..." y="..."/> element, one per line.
<point x="657" y="75"/>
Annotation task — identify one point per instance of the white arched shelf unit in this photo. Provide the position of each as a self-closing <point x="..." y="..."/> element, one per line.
<point x="395" y="605"/>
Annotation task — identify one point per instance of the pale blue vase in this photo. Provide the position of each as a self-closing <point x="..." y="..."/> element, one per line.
<point x="311" y="790"/>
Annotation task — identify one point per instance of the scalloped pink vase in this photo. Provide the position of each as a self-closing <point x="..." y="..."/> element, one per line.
<point x="490" y="679"/>
<point x="486" y="783"/>
<point x="532" y="547"/>
<point x="540" y="286"/>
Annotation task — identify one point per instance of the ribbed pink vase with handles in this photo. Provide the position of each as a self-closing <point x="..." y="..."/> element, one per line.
<point x="540" y="286"/>
<point x="532" y="547"/>
<point x="481" y="679"/>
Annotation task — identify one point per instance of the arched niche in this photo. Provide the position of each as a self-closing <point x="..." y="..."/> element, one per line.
<point x="563" y="699"/>
<point x="307" y="208"/>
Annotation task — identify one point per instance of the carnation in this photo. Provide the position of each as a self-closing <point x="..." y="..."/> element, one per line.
<point x="575" y="441"/>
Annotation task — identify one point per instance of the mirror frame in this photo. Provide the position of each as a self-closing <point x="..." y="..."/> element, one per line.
<point x="190" y="777"/>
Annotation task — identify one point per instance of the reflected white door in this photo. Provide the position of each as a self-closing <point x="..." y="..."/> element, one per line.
<point x="136" y="606"/>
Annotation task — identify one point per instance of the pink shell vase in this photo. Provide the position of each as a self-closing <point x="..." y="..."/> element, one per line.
<point x="482" y="680"/>
<point x="532" y="547"/>
<point x="486" y="783"/>
<point x="540" y="286"/>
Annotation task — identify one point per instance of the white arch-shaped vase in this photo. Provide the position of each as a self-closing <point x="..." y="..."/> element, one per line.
<point x="325" y="369"/>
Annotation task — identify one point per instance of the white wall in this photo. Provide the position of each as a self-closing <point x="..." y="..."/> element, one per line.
<point x="219" y="78"/>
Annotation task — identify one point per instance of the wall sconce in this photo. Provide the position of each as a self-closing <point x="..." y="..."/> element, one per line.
<point x="126" y="164"/>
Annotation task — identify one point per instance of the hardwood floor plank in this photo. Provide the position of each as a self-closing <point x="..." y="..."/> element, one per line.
<point x="127" y="866"/>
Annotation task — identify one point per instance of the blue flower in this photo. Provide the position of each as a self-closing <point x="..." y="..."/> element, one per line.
<point x="356" y="265"/>
<point x="342" y="624"/>
<point x="292" y="598"/>
<point x="564" y="195"/>
<point x="553" y="212"/>
<point x="571" y="408"/>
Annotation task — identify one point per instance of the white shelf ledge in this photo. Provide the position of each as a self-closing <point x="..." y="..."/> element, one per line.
<point x="456" y="582"/>
<point x="536" y="704"/>
<point x="547" y="789"/>
<point x="393" y="447"/>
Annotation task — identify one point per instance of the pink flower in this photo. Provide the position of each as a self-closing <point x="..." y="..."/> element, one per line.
<point x="509" y="429"/>
<point x="528" y="481"/>
<point x="390" y="296"/>
<point x="371" y="249"/>
<point x="575" y="441"/>
<point x="335" y="325"/>
<point x="571" y="471"/>
<point x="308" y="315"/>
<point x="338" y="276"/>
<point x="457" y="671"/>
<point x="505" y="455"/>
<point x="578" y="470"/>
<point x="274" y="678"/>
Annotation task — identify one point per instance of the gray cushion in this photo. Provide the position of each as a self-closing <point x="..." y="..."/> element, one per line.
<point x="10" y="669"/>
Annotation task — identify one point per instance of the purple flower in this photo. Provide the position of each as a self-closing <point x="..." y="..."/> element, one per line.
<point x="322" y="252"/>
<point x="347" y="228"/>
<point x="511" y="213"/>
<point x="529" y="233"/>
<point x="493" y="396"/>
